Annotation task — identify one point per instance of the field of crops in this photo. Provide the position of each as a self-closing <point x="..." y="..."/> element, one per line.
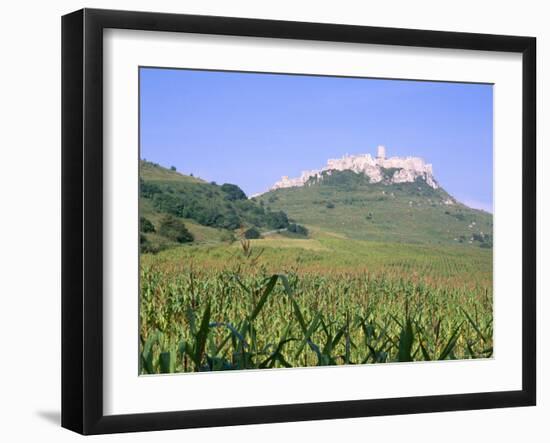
<point x="328" y="301"/>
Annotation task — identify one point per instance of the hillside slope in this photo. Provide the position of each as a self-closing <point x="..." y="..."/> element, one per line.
<point x="346" y="202"/>
<point x="211" y="212"/>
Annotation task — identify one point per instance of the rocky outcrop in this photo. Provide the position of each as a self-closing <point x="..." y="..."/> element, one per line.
<point x="378" y="169"/>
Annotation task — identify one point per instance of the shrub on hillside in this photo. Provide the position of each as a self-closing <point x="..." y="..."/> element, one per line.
<point x="233" y="192"/>
<point x="251" y="233"/>
<point x="148" y="190"/>
<point x="298" y="229"/>
<point x="175" y="230"/>
<point x="148" y="246"/>
<point x="277" y="220"/>
<point x="227" y="236"/>
<point x="145" y="225"/>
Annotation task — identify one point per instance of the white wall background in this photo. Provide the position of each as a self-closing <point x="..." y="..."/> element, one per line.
<point x="30" y="218"/>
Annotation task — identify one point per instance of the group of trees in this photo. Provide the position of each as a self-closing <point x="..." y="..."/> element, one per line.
<point x="170" y="229"/>
<point x="174" y="229"/>
<point x="225" y="206"/>
<point x="252" y="233"/>
<point x="232" y="192"/>
<point x="277" y="220"/>
<point x="293" y="228"/>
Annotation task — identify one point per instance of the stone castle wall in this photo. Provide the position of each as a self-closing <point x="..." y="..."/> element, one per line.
<point x="409" y="169"/>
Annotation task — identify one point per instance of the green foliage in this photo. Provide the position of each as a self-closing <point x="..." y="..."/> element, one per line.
<point x="388" y="173"/>
<point x="172" y="168"/>
<point x="251" y="233"/>
<point x="276" y="220"/>
<point x="145" y="225"/>
<point x="404" y="212"/>
<point x="148" y="190"/>
<point x="151" y="246"/>
<point x="485" y="240"/>
<point x="225" y="206"/>
<point x="232" y="192"/>
<point x="458" y="215"/>
<point x="227" y="236"/>
<point x="406" y="339"/>
<point x="229" y="320"/>
<point x="175" y="230"/>
<point x="298" y="229"/>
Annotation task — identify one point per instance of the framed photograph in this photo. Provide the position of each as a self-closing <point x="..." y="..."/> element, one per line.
<point x="268" y="221"/>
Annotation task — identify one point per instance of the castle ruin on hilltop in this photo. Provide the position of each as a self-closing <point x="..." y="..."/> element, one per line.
<point x="403" y="169"/>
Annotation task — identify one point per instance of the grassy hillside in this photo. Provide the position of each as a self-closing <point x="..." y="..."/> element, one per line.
<point x="153" y="172"/>
<point x="345" y="202"/>
<point x="210" y="212"/>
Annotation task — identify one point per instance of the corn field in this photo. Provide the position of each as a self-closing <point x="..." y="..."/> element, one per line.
<point x="196" y="318"/>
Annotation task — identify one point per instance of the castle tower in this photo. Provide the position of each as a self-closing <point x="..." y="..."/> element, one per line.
<point x="381" y="154"/>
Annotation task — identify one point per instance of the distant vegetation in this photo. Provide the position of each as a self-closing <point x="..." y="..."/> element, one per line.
<point x="145" y="225"/>
<point x="174" y="229"/>
<point x="232" y="192"/>
<point x="251" y="233"/>
<point x="208" y="204"/>
<point x="346" y="202"/>
<point x="298" y="229"/>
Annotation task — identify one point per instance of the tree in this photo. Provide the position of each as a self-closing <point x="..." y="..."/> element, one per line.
<point x="230" y="221"/>
<point x="252" y="233"/>
<point x="175" y="230"/>
<point x="298" y="229"/>
<point x="233" y="192"/>
<point x="277" y="220"/>
<point x="145" y="225"/>
<point x="172" y="168"/>
<point x="147" y="246"/>
<point x="227" y="236"/>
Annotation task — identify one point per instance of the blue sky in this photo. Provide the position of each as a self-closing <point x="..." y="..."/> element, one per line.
<point x="250" y="129"/>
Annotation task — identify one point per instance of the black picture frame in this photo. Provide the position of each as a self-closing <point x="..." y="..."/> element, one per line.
<point x="82" y="215"/>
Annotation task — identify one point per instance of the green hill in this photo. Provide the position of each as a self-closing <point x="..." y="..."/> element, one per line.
<point x="211" y="212"/>
<point x="346" y="202"/>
